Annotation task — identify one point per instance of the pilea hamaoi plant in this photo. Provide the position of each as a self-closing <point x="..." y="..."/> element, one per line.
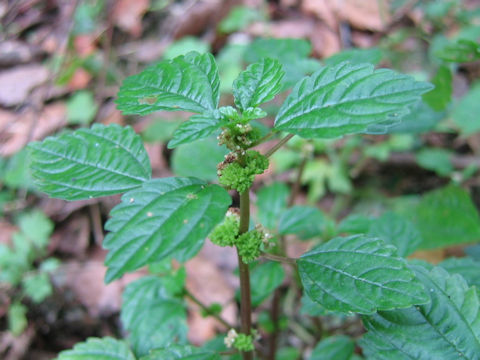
<point x="410" y="311"/>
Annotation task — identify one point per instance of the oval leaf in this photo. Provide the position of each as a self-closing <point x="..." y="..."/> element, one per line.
<point x="447" y="328"/>
<point x="359" y="274"/>
<point x="333" y="348"/>
<point x="163" y="216"/>
<point x="345" y="99"/>
<point x="100" y="161"/>
<point x="259" y="83"/>
<point x="99" y="349"/>
<point x="196" y="128"/>
<point x="188" y="82"/>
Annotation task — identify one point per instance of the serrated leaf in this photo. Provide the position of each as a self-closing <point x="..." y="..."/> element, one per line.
<point x="465" y="113"/>
<point x="359" y="274"/>
<point x="333" y="348"/>
<point x="152" y="315"/>
<point x="178" y="352"/>
<point x="105" y="348"/>
<point x="439" y="98"/>
<point x="356" y="56"/>
<point x="447" y="216"/>
<point x="304" y="221"/>
<point x="188" y="82"/>
<point x="196" y="128"/>
<point x="397" y="231"/>
<point x="446" y="328"/>
<point x="266" y="277"/>
<point x="163" y="216"/>
<point x="467" y="267"/>
<point x="100" y="161"/>
<point x="345" y="99"/>
<point x="259" y="83"/>
<point x="271" y="202"/>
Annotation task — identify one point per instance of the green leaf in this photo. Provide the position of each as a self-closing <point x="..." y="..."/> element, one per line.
<point x="163" y="216"/>
<point x="355" y="224"/>
<point x="421" y="119"/>
<point x="439" y="98"/>
<point x="188" y="82"/>
<point x="152" y="315"/>
<point x="100" y="161"/>
<point x="467" y="267"/>
<point x="446" y="217"/>
<point x="463" y="50"/>
<point x="465" y="113"/>
<point x="436" y="159"/>
<point x="397" y="231"/>
<point x="271" y="202"/>
<point x="196" y="128"/>
<point x="178" y="352"/>
<point x="345" y="99"/>
<point x="17" y="174"/>
<point x="304" y="221"/>
<point x="81" y="108"/>
<point x="238" y="18"/>
<point x="199" y="159"/>
<point x="266" y="277"/>
<point x="446" y="328"/>
<point x="333" y="348"/>
<point x="17" y="318"/>
<point x="37" y="286"/>
<point x="160" y="130"/>
<point x="259" y="83"/>
<point x="356" y="56"/>
<point x="37" y="227"/>
<point x="185" y="45"/>
<point x="105" y="348"/>
<point x="359" y="274"/>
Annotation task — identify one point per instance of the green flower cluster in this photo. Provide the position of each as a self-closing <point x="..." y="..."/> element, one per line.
<point x="235" y="176"/>
<point x="248" y="245"/>
<point x="226" y="233"/>
<point x="237" y="133"/>
<point x="243" y="342"/>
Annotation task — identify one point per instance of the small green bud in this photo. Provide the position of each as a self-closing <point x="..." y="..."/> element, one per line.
<point x="243" y="342"/>
<point x="248" y="245"/>
<point x="226" y="233"/>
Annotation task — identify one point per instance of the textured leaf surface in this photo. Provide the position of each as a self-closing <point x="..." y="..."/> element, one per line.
<point x="467" y="267"/>
<point x="446" y="328"/>
<point x="100" y="161"/>
<point x="271" y="202"/>
<point x="196" y="128"/>
<point x="163" y="216"/>
<point x="333" y="348"/>
<point x="447" y="216"/>
<point x="345" y="98"/>
<point x="359" y="274"/>
<point x="177" y="352"/>
<point x="304" y="221"/>
<point x="356" y="56"/>
<point x="188" y="82"/>
<point x="152" y="315"/>
<point x="99" y="349"/>
<point x="259" y="83"/>
<point x="397" y="231"/>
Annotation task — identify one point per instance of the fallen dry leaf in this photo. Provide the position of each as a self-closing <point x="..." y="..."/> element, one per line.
<point x="19" y="81"/>
<point x="127" y="15"/>
<point x="17" y="130"/>
<point x="13" y="52"/>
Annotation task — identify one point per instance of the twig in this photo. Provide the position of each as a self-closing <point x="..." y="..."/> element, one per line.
<point x="207" y="310"/>
<point x="278" y="145"/>
<point x="278" y="258"/>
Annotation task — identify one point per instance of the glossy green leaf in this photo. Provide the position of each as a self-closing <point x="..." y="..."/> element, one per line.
<point x="344" y="99"/>
<point x="199" y="159"/>
<point x="356" y="56"/>
<point x="152" y="315"/>
<point x="359" y="274"/>
<point x="105" y="348"/>
<point x="188" y="82"/>
<point x="465" y="113"/>
<point x="446" y="328"/>
<point x="304" y="221"/>
<point x="163" y="216"/>
<point x="397" y="231"/>
<point x="259" y="83"/>
<point x="266" y="278"/>
<point x="333" y="348"/>
<point x="439" y="98"/>
<point x="447" y="216"/>
<point x="463" y="50"/>
<point x="271" y="202"/>
<point x="467" y="267"/>
<point x="100" y="161"/>
<point x="196" y="128"/>
<point x="436" y="159"/>
<point x="178" y="352"/>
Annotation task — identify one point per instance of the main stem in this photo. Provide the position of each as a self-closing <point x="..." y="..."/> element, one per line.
<point x="245" y="297"/>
